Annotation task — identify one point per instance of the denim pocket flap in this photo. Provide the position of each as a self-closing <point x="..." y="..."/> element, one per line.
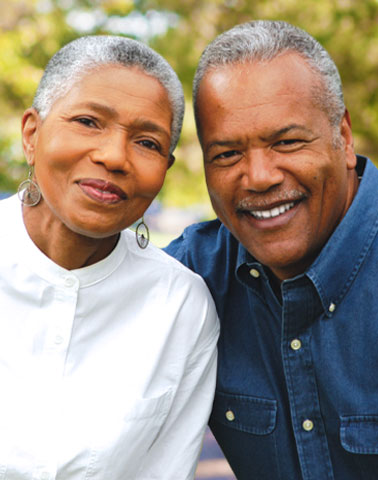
<point x="245" y="413"/>
<point x="359" y="433"/>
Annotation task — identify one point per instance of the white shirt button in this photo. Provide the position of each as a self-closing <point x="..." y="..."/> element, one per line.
<point x="332" y="307"/>
<point x="296" y="344"/>
<point x="230" y="415"/>
<point x="69" y="282"/>
<point x="308" y="425"/>
<point x="254" y="273"/>
<point x="58" y="339"/>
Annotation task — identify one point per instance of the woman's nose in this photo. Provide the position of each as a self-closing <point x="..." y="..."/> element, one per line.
<point x="113" y="152"/>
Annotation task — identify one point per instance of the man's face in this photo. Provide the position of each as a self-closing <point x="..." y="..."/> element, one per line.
<point x="279" y="176"/>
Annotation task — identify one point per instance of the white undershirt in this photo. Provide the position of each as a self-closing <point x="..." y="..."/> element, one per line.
<point x="106" y="372"/>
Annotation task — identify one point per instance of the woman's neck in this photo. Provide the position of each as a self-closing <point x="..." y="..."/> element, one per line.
<point x="63" y="246"/>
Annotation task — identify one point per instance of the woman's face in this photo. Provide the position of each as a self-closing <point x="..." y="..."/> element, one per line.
<point x="101" y="154"/>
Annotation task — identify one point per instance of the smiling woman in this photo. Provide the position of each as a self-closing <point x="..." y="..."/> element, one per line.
<point x="107" y="350"/>
<point x="99" y="164"/>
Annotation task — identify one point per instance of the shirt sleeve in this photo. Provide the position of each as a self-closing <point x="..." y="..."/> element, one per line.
<point x="177" y="249"/>
<point x="175" y="452"/>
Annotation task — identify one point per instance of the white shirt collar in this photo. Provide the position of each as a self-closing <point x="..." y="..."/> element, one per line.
<point x="53" y="273"/>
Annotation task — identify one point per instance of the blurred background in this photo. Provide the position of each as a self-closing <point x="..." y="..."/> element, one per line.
<point x="31" y="31"/>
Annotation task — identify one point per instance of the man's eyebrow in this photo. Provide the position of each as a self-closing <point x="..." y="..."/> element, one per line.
<point x="223" y="143"/>
<point x="269" y="138"/>
<point x="278" y="133"/>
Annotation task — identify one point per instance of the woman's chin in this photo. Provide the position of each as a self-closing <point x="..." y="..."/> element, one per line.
<point x="96" y="230"/>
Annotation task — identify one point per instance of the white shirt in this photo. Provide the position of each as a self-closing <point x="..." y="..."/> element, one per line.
<point x="106" y="372"/>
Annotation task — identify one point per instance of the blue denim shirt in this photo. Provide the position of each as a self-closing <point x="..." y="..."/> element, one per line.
<point x="297" y="388"/>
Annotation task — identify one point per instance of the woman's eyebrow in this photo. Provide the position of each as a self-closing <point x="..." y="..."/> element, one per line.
<point x="100" y="108"/>
<point x="137" y="124"/>
<point x="149" y="126"/>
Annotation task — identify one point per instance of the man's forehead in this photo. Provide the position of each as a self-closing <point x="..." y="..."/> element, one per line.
<point x="260" y="100"/>
<point x="280" y="72"/>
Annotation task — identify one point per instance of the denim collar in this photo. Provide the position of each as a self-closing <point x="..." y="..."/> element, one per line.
<point x="338" y="263"/>
<point x="335" y="268"/>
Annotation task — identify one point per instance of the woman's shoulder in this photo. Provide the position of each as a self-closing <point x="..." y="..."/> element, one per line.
<point x="179" y="289"/>
<point x="160" y="262"/>
<point x="9" y="201"/>
<point x="10" y="212"/>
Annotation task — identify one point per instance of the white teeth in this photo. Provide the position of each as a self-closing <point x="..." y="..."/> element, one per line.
<point x="274" y="212"/>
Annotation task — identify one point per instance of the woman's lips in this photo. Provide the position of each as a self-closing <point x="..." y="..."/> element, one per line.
<point x="102" y="191"/>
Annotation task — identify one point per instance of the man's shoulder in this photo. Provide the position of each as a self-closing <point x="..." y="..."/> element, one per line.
<point x="201" y="232"/>
<point x="207" y="248"/>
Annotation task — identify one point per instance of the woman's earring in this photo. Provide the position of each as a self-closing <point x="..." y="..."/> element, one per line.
<point x="142" y="234"/>
<point x="28" y="191"/>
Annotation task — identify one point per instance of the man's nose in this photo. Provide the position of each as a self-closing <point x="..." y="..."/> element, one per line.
<point x="113" y="152"/>
<point x="262" y="171"/>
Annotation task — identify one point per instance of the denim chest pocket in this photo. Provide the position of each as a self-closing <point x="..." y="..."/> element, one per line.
<point x="248" y="414"/>
<point x="245" y="429"/>
<point x="359" y="434"/>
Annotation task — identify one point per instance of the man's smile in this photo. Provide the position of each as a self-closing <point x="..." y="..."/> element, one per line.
<point x="271" y="213"/>
<point x="270" y="208"/>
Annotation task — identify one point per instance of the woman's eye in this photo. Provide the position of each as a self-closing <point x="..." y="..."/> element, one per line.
<point x="88" y="122"/>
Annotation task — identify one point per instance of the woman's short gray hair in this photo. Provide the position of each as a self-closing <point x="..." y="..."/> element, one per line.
<point x="263" y="40"/>
<point x="76" y="58"/>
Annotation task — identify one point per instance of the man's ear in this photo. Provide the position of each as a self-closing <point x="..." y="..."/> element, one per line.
<point x="29" y="127"/>
<point x="347" y="136"/>
<point x="171" y="160"/>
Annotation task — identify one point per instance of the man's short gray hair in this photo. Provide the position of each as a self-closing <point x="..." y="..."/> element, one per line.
<point x="76" y="58"/>
<point x="263" y="40"/>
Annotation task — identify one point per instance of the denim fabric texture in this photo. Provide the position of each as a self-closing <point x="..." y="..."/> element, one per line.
<point x="297" y="387"/>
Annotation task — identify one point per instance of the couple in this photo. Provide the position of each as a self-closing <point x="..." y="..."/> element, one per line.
<point x="108" y="347"/>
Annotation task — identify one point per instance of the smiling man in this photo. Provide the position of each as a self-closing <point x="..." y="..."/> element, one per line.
<point x="290" y="263"/>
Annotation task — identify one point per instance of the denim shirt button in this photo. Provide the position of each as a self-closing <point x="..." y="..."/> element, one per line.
<point x="308" y="425"/>
<point x="230" y="415"/>
<point x="254" y="273"/>
<point x="332" y="307"/>
<point x="296" y="344"/>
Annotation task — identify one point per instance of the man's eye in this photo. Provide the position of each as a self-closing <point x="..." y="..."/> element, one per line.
<point x="290" y="143"/>
<point x="149" y="144"/>
<point x="226" y="155"/>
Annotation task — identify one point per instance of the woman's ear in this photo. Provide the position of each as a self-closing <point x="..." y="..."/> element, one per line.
<point x="29" y="128"/>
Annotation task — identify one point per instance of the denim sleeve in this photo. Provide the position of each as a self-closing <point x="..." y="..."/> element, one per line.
<point x="177" y="249"/>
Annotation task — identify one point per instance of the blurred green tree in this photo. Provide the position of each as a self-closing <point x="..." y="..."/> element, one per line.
<point x="32" y="30"/>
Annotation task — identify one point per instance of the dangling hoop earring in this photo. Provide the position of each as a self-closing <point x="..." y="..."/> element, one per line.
<point x="142" y="234"/>
<point x="28" y="191"/>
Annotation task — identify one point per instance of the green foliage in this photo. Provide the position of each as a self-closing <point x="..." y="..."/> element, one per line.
<point x="32" y="30"/>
